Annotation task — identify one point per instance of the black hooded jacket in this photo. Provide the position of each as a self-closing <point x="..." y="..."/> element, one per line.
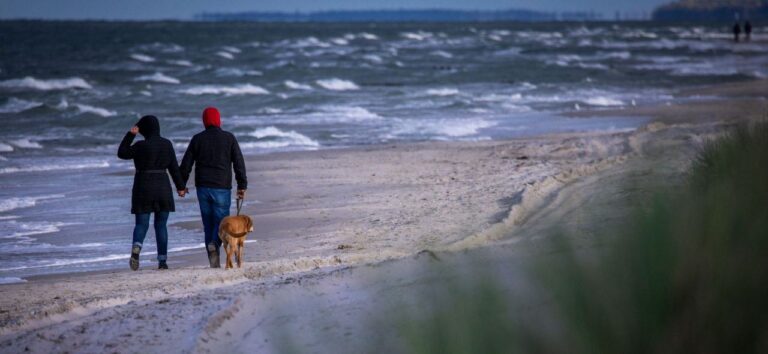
<point x="152" y="157"/>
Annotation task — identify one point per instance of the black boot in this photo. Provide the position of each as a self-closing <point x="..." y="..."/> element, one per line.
<point x="162" y="265"/>
<point x="213" y="256"/>
<point x="134" y="262"/>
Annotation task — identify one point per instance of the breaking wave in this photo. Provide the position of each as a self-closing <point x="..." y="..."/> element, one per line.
<point x="142" y="58"/>
<point x="15" y="105"/>
<point x="30" y="82"/>
<point x="158" y="77"/>
<point x="103" y="112"/>
<point x="54" y="167"/>
<point x="243" y="89"/>
<point x="273" y="137"/>
<point x="297" y="86"/>
<point x="24" y="202"/>
<point x="337" y="84"/>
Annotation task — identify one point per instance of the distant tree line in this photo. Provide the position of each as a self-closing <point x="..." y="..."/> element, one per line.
<point x="712" y="10"/>
<point x="429" y="15"/>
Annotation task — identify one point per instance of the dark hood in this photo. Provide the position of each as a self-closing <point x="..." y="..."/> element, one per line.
<point x="148" y="126"/>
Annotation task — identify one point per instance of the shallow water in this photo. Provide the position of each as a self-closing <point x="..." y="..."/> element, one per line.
<point x="70" y="90"/>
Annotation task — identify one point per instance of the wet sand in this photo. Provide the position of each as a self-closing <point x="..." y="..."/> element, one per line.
<point x="343" y="235"/>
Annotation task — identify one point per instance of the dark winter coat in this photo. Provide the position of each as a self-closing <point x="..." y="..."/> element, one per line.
<point x="215" y="153"/>
<point x="152" y="157"/>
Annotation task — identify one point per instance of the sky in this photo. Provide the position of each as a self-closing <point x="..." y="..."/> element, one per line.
<point x="186" y="9"/>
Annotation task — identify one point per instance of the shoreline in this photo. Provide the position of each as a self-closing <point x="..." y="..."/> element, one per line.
<point x="386" y="203"/>
<point x="658" y="114"/>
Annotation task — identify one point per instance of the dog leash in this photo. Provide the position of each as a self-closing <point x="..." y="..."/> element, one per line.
<point x="239" y="202"/>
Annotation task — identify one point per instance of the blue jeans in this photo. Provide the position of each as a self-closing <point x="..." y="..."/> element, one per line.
<point x="161" y="232"/>
<point x="214" y="206"/>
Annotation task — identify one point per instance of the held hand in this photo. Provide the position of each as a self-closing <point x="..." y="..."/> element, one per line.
<point x="134" y="130"/>
<point x="241" y="194"/>
<point x="183" y="192"/>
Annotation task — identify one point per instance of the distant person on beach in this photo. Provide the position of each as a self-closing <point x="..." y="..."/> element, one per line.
<point x="152" y="192"/>
<point x="747" y="31"/>
<point x="736" y="32"/>
<point x="215" y="153"/>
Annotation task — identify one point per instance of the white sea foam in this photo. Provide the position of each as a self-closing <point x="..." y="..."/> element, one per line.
<point x="603" y="101"/>
<point x="225" y="55"/>
<point x="5" y="147"/>
<point x="373" y="58"/>
<point x="417" y="36"/>
<point x="242" y="89"/>
<point x="457" y="128"/>
<point x="158" y="77"/>
<point x="624" y="55"/>
<point x="345" y="114"/>
<point x="25" y="144"/>
<point x="11" y="280"/>
<point x="450" y="128"/>
<point x="84" y="108"/>
<point x="24" y="230"/>
<point x="270" y="110"/>
<point x="110" y="257"/>
<point x="161" y="47"/>
<point x="339" y="41"/>
<point x="279" y="139"/>
<point x="231" y="49"/>
<point x="495" y="97"/>
<point x="58" y="263"/>
<point x="722" y="66"/>
<point x="30" y="82"/>
<point x="142" y="58"/>
<point x="24" y="202"/>
<point x="54" y="167"/>
<point x="368" y="36"/>
<point x="36" y="247"/>
<point x="337" y="84"/>
<point x="309" y="42"/>
<point x="235" y="72"/>
<point x="297" y="86"/>
<point x="16" y="105"/>
<point x="442" y="92"/>
<point x="186" y="63"/>
<point x="441" y="53"/>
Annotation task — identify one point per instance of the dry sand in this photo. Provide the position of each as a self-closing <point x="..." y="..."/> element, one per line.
<point x="339" y="234"/>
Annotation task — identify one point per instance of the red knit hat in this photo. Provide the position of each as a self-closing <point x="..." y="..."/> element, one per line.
<point x="211" y="117"/>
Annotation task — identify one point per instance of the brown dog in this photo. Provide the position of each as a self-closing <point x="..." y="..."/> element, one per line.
<point x="232" y="232"/>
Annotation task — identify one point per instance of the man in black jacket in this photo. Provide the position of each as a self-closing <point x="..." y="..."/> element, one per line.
<point x="215" y="153"/>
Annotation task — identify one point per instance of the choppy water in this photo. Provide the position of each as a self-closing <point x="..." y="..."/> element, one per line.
<point x="69" y="91"/>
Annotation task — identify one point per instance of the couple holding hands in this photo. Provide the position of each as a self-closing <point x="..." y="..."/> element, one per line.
<point x="214" y="152"/>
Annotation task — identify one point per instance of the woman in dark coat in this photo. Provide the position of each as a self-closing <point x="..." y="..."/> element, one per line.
<point x="152" y="192"/>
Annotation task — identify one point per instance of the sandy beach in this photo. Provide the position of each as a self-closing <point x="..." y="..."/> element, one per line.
<point x="341" y="235"/>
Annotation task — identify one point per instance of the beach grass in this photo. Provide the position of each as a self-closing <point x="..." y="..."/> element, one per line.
<point x="687" y="273"/>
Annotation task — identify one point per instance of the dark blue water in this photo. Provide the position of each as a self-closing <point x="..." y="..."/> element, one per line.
<point x="70" y="90"/>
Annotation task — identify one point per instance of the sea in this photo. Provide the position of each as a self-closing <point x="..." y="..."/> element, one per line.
<point x="69" y="91"/>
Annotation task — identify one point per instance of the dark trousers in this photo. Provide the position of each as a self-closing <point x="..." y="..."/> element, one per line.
<point x="161" y="232"/>
<point x="214" y="206"/>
